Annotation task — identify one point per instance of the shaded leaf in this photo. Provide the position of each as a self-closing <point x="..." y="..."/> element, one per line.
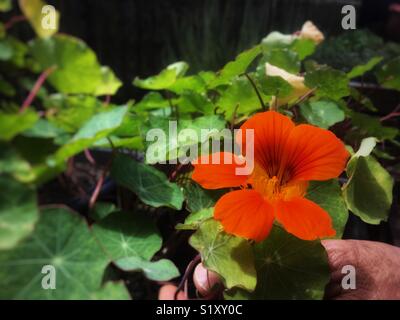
<point x="126" y="234"/>
<point x="63" y="240"/>
<point x="329" y="82"/>
<point x="328" y="195"/>
<point x="18" y="212"/>
<point x="368" y="192"/>
<point x="150" y="184"/>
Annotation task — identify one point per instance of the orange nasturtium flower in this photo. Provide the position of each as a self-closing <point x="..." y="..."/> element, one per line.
<point x="286" y="158"/>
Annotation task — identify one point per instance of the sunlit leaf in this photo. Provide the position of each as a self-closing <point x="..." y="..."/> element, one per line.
<point x="34" y="12"/>
<point x="164" y="79"/>
<point x="236" y="67"/>
<point x="322" y="113"/>
<point x="160" y="270"/>
<point x="193" y="220"/>
<point x="231" y="257"/>
<point x="77" y="68"/>
<point x="361" y="69"/>
<point x="12" y="124"/>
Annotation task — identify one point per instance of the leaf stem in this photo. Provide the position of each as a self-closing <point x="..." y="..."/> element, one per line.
<point x="36" y="87"/>
<point x="256" y="90"/>
<point x="188" y="271"/>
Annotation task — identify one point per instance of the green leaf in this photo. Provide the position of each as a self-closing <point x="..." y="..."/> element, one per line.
<point x="63" y="240"/>
<point x="97" y="128"/>
<point x="6" y="50"/>
<point x="231" y="257"/>
<point x="236" y="67"/>
<point x="241" y="94"/>
<point x="164" y="79"/>
<point x="150" y="184"/>
<point x="5" y="5"/>
<point x="272" y="85"/>
<point x="102" y="210"/>
<point x="289" y="268"/>
<point x="191" y="100"/>
<point x="12" y="124"/>
<point x="127" y="234"/>
<point x="328" y="82"/>
<point x="371" y="126"/>
<point x="170" y="146"/>
<point x="44" y="129"/>
<point x="151" y="101"/>
<point x="13" y="163"/>
<point x="71" y="112"/>
<point x="198" y="198"/>
<point x="328" y="195"/>
<point x="77" y="68"/>
<point x="161" y="270"/>
<point x="361" y="69"/>
<point x="193" y="220"/>
<point x="389" y="74"/>
<point x="303" y="47"/>
<point x="18" y="212"/>
<point x="322" y="113"/>
<point x="195" y="83"/>
<point x="32" y="9"/>
<point x="277" y="40"/>
<point x="131" y="240"/>
<point x="368" y="192"/>
<point x="284" y="59"/>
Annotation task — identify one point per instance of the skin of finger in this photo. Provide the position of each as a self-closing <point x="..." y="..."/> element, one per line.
<point x="376" y="266"/>
<point x="167" y="292"/>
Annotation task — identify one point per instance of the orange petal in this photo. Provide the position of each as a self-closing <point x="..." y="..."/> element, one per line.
<point x="271" y="131"/>
<point x="303" y="218"/>
<point x="218" y="175"/>
<point x="245" y="213"/>
<point x="314" y="154"/>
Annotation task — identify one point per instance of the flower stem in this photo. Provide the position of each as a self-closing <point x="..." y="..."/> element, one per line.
<point x="256" y="90"/>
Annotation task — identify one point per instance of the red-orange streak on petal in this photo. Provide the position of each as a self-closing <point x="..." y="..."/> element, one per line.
<point x="314" y="154"/>
<point x="217" y="176"/>
<point x="271" y="131"/>
<point x="304" y="219"/>
<point x="245" y="213"/>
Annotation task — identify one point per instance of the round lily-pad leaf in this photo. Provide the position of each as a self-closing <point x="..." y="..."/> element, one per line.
<point x="60" y="260"/>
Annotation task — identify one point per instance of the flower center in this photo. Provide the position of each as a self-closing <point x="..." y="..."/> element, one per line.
<point x="278" y="186"/>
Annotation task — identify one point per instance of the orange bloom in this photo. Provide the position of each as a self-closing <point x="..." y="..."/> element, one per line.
<point x="286" y="157"/>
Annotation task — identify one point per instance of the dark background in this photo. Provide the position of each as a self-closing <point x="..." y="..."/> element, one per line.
<point x="141" y="37"/>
